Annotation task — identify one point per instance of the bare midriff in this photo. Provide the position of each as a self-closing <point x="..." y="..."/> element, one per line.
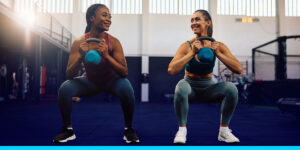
<point x="192" y="75"/>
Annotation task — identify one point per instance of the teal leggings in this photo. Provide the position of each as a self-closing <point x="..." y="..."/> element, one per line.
<point x="83" y="87"/>
<point x="205" y="90"/>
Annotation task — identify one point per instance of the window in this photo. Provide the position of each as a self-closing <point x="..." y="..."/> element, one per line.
<point x="261" y="7"/>
<point x="116" y="6"/>
<point x="247" y="7"/>
<point x="85" y="4"/>
<point x="187" y="7"/>
<point x="163" y="6"/>
<point x="57" y="6"/>
<point x="231" y="7"/>
<point x="182" y="7"/>
<point x="6" y="2"/>
<point x="24" y="5"/>
<point x="127" y="6"/>
<point x="292" y="7"/>
<point x="50" y="6"/>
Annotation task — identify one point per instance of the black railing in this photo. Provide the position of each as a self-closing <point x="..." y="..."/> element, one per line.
<point x="52" y="27"/>
<point x="280" y="57"/>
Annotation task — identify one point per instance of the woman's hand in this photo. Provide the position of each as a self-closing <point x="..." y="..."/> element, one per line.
<point x="215" y="47"/>
<point x="206" y="43"/>
<point x="196" y="46"/>
<point x="103" y="48"/>
<point x="83" y="48"/>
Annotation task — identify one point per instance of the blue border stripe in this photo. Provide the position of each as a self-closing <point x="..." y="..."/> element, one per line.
<point x="149" y="147"/>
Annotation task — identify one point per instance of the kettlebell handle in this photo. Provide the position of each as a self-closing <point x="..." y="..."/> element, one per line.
<point x="92" y="40"/>
<point x="206" y="38"/>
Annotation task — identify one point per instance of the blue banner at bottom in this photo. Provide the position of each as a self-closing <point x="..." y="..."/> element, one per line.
<point x="150" y="147"/>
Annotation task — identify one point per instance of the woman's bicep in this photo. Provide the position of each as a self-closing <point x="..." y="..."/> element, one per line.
<point x="179" y="53"/>
<point x="225" y="50"/>
<point x="118" y="53"/>
<point x="74" y="53"/>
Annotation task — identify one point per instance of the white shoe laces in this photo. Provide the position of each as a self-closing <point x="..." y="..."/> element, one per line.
<point x="180" y="133"/>
<point x="228" y="133"/>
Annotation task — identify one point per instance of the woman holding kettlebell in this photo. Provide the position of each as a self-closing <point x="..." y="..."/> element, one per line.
<point x="197" y="56"/>
<point x="104" y="73"/>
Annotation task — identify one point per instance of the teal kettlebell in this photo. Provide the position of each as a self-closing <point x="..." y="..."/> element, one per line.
<point x="92" y="56"/>
<point x="205" y="54"/>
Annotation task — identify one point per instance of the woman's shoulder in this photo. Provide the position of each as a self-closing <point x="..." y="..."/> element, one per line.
<point x="77" y="42"/>
<point x="221" y="44"/>
<point x="186" y="44"/>
<point x="79" y="39"/>
<point x="184" y="47"/>
<point x="112" y="38"/>
<point x="192" y="40"/>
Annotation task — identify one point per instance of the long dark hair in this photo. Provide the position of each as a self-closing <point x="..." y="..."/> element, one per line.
<point x="207" y="18"/>
<point x="91" y="11"/>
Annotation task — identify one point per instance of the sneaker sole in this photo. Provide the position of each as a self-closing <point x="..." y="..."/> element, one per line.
<point x="223" y="140"/>
<point x="179" y="143"/>
<point x="124" y="138"/>
<point x="73" y="137"/>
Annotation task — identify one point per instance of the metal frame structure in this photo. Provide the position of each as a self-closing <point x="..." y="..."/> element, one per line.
<point x="280" y="57"/>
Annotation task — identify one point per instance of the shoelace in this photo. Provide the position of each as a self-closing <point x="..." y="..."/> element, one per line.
<point x="180" y="133"/>
<point x="228" y="133"/>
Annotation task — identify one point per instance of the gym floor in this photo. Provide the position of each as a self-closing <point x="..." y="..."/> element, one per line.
<point x="98" y="122"/>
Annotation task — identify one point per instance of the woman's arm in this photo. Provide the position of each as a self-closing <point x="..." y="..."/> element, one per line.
<point x="74" y="61"/>
<point x="182" y="57"/>
<point x="224" y="54"/>
<point x="118" y="60"/>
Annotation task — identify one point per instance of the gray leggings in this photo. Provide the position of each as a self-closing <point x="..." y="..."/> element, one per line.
<point x="205" y="90"/>
<point x="82" y="87"/>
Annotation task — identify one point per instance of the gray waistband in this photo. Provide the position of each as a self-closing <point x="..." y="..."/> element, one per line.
<point x="199" y="83"/>
<point x="194" y="79"/>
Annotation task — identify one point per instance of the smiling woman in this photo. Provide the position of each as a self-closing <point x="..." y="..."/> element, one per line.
<point x="95" y="16"/>
<point x="197" y="83"/>
<point x="107" y="76"/>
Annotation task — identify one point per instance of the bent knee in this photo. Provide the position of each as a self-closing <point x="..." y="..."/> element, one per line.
<point x="65" y="90"/>
<point x="182" y="89"/>
<point x="230" y="89"/>
<point x="124" y="88"/>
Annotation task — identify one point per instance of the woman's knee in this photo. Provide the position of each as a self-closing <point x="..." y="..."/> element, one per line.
<point x="230" y="90"/>
<point x="124" y="88"/>
<point x="65" y="89"/>
<point x="182" y="90"/>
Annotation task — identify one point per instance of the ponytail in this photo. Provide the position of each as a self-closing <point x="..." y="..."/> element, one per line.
<point x="87" y="28"/>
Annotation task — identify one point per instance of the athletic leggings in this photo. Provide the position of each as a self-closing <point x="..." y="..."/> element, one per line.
<point x="82" y="87"/>
<point x="205" y="90"/>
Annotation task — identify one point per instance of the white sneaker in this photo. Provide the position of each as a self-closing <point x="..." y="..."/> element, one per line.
<point x="226" y="136"/>
<point x="180" y="137"/>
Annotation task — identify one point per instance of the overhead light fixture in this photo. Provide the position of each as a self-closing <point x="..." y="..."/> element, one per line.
<point x="247" y="20"/>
